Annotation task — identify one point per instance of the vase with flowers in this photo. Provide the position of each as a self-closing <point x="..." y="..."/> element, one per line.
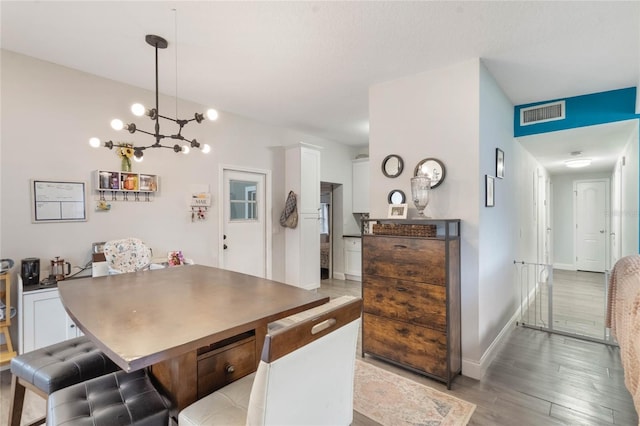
<point x="125" y="152"/>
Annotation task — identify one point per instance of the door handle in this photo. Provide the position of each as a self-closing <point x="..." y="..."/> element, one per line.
<point x="602" y="231"/>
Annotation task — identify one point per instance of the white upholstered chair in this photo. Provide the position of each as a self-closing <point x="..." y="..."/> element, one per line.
<point x="126" y="255"/>
<point x="305" y="375"/>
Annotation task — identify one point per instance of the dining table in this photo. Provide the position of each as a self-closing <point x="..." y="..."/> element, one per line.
<point x="184" y="324"/>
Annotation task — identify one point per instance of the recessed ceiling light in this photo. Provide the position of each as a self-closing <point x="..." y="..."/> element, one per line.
<point x="578" y="162"/>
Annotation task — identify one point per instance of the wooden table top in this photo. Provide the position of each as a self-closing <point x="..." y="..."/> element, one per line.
<point x="139" y="319"/>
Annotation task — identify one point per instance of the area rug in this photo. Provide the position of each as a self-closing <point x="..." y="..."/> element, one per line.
<point x="392" y="400"/>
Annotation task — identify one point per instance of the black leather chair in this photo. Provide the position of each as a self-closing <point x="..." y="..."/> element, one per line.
<point x="114" y="399"/>
<point x="54" y="367"/>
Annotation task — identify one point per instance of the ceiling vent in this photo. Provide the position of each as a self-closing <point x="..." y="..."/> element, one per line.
<point x="542" y="113"/>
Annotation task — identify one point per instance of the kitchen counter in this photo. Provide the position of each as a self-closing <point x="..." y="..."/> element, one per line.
<point x="44" y="284"/>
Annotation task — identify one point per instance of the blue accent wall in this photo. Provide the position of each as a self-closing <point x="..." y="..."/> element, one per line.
<point x="584" y="110"/>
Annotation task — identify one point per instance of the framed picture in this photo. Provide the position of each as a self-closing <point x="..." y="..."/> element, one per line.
<point x="58" y="201"/>
<point x="489" y="200"/>
<point x="397" y="211"/>
<point x="499" y="163"/>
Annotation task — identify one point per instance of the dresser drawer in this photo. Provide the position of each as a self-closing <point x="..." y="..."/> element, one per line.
<point x="417" y="303"/>
<point x="222" y="366"/>
<point x="411" y="259"/>
<point x="418" y="347"/>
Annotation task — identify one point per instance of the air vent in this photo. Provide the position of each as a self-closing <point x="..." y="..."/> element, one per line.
<point x="542" y="113"/>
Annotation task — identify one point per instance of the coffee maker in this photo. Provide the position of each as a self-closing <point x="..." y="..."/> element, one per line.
<point x="30" y="271"/>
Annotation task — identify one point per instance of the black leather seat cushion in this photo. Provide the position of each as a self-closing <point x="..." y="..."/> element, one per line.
<point x="62" y="364"/>
<point x="114" y="399"/>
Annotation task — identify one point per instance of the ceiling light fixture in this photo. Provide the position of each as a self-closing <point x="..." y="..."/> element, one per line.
<point x="578" y="162"/>
<point x="154" y="113"/>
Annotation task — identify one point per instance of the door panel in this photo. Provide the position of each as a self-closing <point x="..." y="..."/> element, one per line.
<point x="591" y="228"/>
<point x="244" y="245"/>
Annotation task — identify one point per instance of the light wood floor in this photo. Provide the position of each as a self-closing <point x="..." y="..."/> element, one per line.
<point x="578" y="304"/>
<point x="536" y="379"/>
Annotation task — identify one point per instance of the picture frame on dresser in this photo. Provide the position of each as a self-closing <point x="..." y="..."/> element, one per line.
<point x="398" y="211"/>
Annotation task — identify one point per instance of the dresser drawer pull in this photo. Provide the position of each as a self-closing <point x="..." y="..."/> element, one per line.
<point x="399" y="246"/>
<point x="401" y="289"/>
<point x="229" y="368"/>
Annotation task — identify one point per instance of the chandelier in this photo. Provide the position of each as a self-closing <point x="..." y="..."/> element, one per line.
<point x="154" y="114"/>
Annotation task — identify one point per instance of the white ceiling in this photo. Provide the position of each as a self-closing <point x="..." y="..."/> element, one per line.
<point x="601" y="144"/>
<point x="308" y="65"/>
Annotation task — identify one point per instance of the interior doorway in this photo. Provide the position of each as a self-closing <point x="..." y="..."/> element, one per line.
<point x="326" y="230"/>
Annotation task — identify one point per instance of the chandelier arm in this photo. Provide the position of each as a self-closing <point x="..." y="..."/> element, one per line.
<point x="172" y="147"/>
<point x="168" y="118"/>
<point x="156" y="135"/>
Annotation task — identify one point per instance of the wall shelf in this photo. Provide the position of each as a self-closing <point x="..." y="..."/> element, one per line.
<point x="125" y="186"/>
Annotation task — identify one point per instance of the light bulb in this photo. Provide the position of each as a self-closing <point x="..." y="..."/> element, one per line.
<point x="117" y="124"/>
<point x="206" y="148"/>
<point x="94" y="142"/>
<point x="185" y="149"/>
<point x="138" y="159"/>
<point x="212" y="114"/>
<point x="138" y="109"/>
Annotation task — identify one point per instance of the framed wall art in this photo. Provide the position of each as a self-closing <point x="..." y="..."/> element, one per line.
<point x="489" y="200"/>
<point x="58" y="201"/>
<point x="499" y="163"/>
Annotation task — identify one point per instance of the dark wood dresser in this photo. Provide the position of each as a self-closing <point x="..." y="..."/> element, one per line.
<point x="411" y="294"/>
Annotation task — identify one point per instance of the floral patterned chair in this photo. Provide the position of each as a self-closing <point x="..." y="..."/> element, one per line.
<point x="126" y="255"/>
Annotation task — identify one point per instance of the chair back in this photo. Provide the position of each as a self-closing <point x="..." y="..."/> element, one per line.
<point x="126" y="255"/>
<point x="306" y="372"/>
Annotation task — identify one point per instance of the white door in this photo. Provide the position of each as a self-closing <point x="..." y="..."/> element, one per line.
<point x="616" y="208"/>
<point x="244" y="223"/>
<point x="591" y="229"/>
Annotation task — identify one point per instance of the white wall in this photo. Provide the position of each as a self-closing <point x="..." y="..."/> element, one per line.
<point x="48" y="114"/>
<point x="629" y="211"/>
<point x="498" y="236"/>
<point x="438" y="114"/>
<point x="526" y="171"/>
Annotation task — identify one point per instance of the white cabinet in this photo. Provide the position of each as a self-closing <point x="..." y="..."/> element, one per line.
<point x="353" y="258"/>
<point x="43" y="320"/>
<point x="302" y="265"/>
<point x="360" y="199"/>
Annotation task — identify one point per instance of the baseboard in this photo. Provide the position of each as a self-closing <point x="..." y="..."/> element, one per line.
<point x="353" y="277"/>
<point x="475" y="369"/>
<point x="564" y="266"/>
<point x="338" y="276"/>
